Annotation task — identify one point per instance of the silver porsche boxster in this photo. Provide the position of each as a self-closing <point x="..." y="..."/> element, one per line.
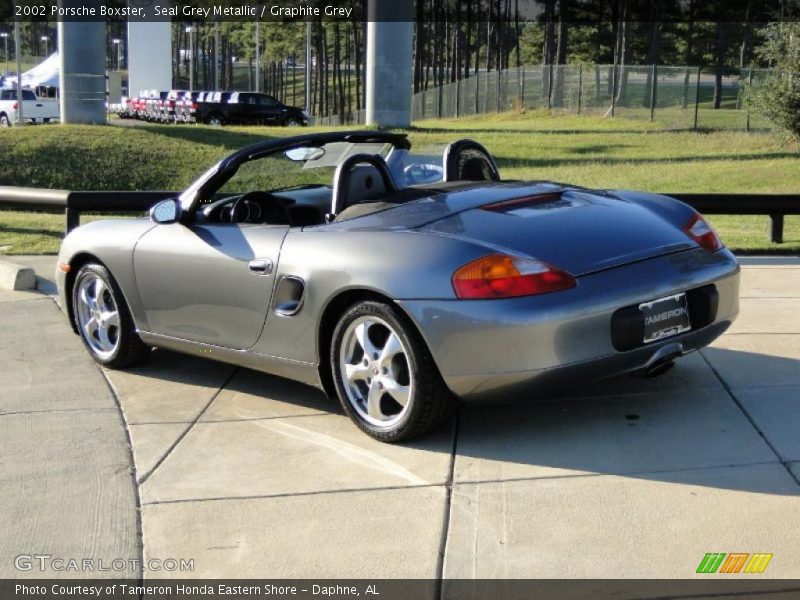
<point x="400" y="282"/>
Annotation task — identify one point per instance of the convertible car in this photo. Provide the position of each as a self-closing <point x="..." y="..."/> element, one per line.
<point x="400" y="282"/>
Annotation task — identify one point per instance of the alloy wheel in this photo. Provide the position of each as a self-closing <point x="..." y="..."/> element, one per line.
<point x="98" y="315"/>
<point x="376" y="372"/>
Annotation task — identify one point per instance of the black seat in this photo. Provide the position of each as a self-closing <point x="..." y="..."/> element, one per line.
<point x="360" y="178"/>
<point x="467" y="160"/>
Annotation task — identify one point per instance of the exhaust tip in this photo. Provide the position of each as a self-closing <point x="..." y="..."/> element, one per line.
<point x="662" y="361"/>
<point x="659" y="369"/>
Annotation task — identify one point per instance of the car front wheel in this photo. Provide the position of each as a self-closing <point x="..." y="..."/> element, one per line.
<point x="103" y="319"/>
<point x="385" y="376"/>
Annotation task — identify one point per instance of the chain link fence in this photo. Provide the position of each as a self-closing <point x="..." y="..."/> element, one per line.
<point x="357" y="117"/>
<point x="676" y="97"/>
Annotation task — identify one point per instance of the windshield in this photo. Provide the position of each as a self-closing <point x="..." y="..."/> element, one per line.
<point x="303" y="166"/>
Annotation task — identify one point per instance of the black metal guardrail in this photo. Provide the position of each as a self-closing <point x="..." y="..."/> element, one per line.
<point x="73" y="203"/>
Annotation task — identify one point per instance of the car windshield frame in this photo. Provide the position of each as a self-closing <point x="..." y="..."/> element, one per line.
<point x="214" y="178"/>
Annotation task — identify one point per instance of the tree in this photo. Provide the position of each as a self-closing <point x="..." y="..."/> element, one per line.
<point x="777" y="97"/>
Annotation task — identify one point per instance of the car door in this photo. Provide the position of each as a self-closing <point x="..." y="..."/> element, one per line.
<point x="270" y="109"/>
<point x="210" y="283"/>
<point x="33" y="107"/>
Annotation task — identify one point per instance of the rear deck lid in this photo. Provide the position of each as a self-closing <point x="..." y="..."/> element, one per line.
<point x="579" y="231"/>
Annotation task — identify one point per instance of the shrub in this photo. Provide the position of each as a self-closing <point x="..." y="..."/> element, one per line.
<point x="777" y="97"/>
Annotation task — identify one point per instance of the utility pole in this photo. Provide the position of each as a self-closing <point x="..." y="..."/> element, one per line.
<point x="308" y="66"/>
<point x="18" y="53"/>
<point x="117" y="44"/>
<point x="190" y="31"/>
<point x="217" y="42"/>
<point x="4" y="35"/>
<point x="258" y="54"/>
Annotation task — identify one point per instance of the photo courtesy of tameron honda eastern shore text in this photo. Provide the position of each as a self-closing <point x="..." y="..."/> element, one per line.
<point x="400" y="282"/>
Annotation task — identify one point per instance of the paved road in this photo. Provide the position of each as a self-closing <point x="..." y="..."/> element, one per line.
<point x="252" y="475"/>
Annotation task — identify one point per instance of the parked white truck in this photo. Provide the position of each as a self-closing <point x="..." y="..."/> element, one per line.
<point x="34" y="110"/>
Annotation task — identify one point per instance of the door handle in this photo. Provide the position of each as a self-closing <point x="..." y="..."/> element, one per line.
<point x="260" y="266"/>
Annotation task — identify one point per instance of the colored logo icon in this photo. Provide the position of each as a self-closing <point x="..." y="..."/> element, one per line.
<point x="735" y="562"/>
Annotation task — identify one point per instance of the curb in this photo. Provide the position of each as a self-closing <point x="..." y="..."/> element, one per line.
<point x="16" y="277"/>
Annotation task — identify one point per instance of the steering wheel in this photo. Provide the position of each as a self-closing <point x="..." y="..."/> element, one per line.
<point x="259" y="207"/>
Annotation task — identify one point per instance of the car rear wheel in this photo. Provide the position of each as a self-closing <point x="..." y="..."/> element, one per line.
<point x="5" y="121"/>
<point x="385" y="376"/>
<point x="103" y="319"/>
<point x="216" y="119"/>
<point x="292" y="122"/>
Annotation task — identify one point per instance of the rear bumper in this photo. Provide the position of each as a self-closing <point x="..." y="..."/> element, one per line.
<point x="494" y="348"/>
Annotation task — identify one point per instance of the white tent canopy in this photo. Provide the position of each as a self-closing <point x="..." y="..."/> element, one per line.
<point x="45" y="73"/>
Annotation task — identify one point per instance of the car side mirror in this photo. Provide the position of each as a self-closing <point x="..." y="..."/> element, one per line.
<point x="166" y="211"/>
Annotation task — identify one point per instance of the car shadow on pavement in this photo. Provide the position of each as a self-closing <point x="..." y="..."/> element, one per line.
<point x="704" y="423"/>
<point x="709" y="422"/>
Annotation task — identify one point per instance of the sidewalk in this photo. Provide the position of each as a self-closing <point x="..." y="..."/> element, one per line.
<point x="66" y="487"/>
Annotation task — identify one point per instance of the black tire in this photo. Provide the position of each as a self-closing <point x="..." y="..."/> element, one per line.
<point x="5" y="121"/>
<point x="292" y="122"/>
<point x="430" y="403"/>
<point x="220" y="120"/>
<point x="130" y="349"/>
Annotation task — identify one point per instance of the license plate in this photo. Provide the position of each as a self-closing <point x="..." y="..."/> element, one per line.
<point x="665" y="317"/>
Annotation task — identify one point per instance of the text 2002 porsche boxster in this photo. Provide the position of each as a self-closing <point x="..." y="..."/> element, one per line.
<point x="398" y="282"/>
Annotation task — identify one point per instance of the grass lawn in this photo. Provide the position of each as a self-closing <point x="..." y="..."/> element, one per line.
<point x="585" y="150"/>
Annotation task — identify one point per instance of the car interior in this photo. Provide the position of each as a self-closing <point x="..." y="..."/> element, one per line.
<point x="363" y="184"/>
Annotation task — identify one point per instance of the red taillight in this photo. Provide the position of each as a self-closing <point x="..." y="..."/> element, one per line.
<point x="15" y="106"/>
<point x="701" y="232"/>
<point x="503" y="276"/>
<point x="194" y="106"/>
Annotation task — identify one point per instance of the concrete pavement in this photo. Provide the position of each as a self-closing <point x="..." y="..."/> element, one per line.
<point x="254" y="476"/>
<point x="66" y="486"/>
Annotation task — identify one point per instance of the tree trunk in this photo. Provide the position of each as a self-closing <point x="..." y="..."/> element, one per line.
<point x="561" y="54"/>
<point x="547" y="47"/>
<point x="688" y="55"/>
<point x="747" y="37"/>
<point x="653" y="57"/>
<point x="719" y="52"/>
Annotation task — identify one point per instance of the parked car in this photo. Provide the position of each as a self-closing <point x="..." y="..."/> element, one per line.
<point x="185" y="107"/>
<point x="144" y="102"/>
<point x="34" y="109"/>
<point x="323" y="259"/>
<point x="125" y="108"/>
<point x="168" y="107"/>
<point x="153" y="105"/>
<point x="248" y="107"/>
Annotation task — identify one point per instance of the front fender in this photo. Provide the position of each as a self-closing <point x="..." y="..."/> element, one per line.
<point x="112" y="243"/>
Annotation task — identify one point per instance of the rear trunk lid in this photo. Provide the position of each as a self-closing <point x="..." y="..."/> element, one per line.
<point x="576" y="230"/>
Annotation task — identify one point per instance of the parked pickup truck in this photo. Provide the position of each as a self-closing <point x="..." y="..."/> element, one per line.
<point x="248" y="107"/>
<point x="34" y="110"/>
